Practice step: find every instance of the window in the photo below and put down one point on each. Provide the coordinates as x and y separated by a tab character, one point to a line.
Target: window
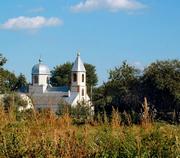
82	92
36	80
74	77
48	80
82	77
78	89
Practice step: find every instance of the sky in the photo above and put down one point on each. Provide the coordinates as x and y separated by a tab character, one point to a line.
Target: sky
105	32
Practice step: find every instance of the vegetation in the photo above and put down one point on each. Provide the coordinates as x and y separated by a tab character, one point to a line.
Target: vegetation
13	102
80	114
130	113
161	84
33	134
9	81
127	87
2	60
61	75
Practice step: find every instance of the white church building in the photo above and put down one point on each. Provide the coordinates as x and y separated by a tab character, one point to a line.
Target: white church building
43	95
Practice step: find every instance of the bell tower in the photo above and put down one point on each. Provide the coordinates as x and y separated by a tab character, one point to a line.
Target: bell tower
78	78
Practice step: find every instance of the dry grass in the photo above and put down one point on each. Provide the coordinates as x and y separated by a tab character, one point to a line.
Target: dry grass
46	135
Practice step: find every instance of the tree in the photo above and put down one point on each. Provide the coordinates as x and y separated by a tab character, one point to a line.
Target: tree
101	100
122	92
91	76
123	86
21	83
61	75
161	82
11	83
2	60
8	80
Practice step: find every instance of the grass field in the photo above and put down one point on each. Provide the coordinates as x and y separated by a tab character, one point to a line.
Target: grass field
46	135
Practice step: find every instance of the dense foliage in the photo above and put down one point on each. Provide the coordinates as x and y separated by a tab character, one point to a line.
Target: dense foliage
161	84
9	81
61	75
127	86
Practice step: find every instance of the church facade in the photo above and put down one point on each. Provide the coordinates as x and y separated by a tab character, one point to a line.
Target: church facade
43	95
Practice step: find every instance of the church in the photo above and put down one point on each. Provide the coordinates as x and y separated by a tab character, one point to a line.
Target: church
43	95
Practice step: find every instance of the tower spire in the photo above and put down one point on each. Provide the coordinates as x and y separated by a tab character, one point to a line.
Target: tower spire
78	65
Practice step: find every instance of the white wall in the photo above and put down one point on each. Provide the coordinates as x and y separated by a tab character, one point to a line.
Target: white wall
43	79
79	79
79	86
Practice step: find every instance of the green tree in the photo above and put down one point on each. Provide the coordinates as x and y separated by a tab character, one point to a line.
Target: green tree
122	91
21	83
91	76
8	80
123	87
61	75
161	82
102	100
2	60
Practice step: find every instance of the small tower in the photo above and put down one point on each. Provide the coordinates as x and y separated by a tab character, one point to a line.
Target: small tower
40	74
78	78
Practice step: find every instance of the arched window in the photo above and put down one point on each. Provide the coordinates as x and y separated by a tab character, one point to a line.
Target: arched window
83	92
82	77
36	79
74	77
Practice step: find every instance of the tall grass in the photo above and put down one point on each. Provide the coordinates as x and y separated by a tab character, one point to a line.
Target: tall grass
32	134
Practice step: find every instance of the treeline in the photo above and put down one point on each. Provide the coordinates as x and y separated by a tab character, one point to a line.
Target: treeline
124	91
127	86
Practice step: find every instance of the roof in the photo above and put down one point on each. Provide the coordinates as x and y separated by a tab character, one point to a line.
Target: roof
58	89
78	65
40	69
46	100
71	99
55	99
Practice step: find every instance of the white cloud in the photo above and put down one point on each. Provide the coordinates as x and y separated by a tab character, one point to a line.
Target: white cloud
37	10
30	23
112	5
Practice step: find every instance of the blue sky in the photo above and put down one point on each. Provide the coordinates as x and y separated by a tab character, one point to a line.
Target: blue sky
106	32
